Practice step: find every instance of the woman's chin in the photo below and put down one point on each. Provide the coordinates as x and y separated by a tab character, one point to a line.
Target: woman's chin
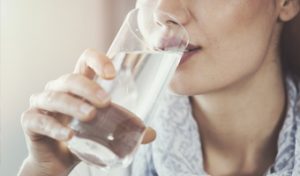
179	88
190	88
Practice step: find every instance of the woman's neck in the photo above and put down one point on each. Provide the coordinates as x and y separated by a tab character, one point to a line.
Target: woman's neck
240	124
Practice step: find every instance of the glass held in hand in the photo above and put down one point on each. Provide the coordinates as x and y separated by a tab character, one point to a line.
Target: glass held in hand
145	54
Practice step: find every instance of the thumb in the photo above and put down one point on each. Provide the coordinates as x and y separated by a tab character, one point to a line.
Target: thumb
149	136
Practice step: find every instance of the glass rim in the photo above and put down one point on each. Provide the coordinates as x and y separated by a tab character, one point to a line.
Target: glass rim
182	28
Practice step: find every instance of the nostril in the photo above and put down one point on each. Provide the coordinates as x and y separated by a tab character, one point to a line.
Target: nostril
172	22
164	19
167	23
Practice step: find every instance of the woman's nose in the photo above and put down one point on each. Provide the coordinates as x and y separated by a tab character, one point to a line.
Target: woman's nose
177	11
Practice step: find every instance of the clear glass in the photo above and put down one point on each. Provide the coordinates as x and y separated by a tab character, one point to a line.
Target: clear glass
145	54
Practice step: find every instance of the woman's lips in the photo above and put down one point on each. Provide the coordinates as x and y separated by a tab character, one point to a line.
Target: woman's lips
190	51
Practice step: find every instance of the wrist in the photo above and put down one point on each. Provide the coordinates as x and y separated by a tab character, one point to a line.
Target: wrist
32	168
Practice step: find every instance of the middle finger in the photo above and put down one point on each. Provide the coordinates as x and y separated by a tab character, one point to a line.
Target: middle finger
63	103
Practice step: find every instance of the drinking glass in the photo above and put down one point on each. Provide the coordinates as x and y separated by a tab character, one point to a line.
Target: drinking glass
145	54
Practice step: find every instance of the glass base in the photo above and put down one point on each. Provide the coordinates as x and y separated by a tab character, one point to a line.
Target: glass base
97	155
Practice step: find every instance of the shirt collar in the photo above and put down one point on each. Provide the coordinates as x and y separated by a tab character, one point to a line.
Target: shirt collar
177	149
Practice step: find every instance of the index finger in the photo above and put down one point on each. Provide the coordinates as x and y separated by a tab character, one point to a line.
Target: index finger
93	63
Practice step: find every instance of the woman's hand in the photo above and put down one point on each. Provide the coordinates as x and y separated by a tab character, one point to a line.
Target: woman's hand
74	95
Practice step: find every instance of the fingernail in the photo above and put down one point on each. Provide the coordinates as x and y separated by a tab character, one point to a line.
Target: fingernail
86	109
103	95
109	71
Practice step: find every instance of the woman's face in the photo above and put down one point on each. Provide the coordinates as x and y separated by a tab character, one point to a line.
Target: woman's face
235	38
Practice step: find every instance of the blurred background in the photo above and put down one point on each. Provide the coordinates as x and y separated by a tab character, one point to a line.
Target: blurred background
41	40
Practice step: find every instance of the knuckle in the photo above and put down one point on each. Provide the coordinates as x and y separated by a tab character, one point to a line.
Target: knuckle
103	60
75	81
48	127
24	117
72	101
60	100
27	118
49	85
67	78
39	122
91	87
50	96
75	107
63	100
32	99
62	97
87	54
93	56
88	51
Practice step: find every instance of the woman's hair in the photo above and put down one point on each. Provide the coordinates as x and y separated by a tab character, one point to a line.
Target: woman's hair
290	47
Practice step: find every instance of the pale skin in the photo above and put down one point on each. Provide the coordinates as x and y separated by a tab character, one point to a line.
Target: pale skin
46	133
235	85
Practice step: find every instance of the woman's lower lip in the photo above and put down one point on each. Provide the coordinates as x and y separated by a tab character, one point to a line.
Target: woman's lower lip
187	55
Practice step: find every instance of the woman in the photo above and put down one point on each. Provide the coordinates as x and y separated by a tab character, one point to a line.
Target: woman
239	111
